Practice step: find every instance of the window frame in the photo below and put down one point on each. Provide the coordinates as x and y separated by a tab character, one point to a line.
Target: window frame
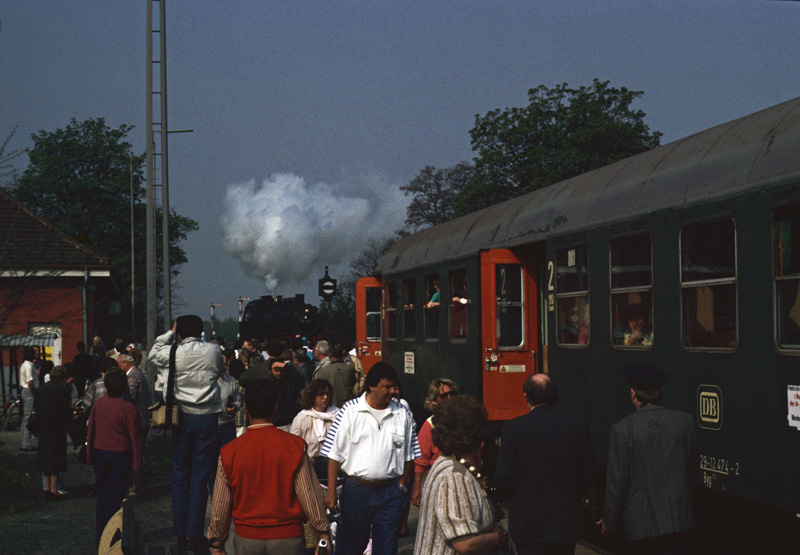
630	289
410	312
437	310
583	293
709	283
776	326
522	306
390	311
453	275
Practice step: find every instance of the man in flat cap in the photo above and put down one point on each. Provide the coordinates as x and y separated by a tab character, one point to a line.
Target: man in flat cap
650	456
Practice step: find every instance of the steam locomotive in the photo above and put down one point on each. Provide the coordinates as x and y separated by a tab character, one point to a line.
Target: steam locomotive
276	317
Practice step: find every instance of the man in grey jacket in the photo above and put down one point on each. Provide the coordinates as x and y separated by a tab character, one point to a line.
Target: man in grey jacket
198	365
139	392
650	455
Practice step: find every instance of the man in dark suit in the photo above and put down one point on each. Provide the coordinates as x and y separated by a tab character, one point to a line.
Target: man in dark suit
545	467
650	454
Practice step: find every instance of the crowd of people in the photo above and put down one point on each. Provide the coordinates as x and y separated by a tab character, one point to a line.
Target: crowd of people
280	435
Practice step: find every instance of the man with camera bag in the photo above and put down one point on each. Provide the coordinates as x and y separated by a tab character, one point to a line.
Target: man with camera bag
194	440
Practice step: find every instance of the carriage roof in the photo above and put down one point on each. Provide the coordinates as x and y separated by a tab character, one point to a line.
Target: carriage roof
750	153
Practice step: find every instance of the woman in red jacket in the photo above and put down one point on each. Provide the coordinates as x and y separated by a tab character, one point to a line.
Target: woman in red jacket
113	444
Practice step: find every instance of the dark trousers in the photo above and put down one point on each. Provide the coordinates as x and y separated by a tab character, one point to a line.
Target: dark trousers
364	508
194	463
669	544
111	469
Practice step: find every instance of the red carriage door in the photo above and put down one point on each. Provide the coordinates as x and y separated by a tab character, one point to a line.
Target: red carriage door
509	335
368	321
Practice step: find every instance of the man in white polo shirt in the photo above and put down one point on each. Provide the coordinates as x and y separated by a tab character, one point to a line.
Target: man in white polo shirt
28	383
373	441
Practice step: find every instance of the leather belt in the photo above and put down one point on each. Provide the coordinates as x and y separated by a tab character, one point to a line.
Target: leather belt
374	483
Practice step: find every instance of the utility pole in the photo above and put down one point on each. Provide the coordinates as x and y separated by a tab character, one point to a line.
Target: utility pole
213	306
159	94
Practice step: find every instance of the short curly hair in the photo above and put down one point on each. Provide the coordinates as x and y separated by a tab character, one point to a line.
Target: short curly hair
460	425
314	388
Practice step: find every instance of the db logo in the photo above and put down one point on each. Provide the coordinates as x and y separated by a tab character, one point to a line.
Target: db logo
709	407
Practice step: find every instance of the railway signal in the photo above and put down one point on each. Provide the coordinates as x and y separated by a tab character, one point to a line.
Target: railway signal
327	287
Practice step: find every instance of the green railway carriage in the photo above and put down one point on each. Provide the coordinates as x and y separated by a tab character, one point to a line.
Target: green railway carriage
686	256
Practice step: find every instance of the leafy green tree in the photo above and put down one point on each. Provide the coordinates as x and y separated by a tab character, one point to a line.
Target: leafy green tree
563	132
433	194
79	179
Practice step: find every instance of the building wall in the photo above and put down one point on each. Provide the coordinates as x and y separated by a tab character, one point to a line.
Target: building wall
51	301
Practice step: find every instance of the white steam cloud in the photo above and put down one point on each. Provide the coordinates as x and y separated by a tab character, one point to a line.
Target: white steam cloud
284	231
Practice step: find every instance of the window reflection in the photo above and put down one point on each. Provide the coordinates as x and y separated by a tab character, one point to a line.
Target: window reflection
409	309
458	304
631	291
391	310
572	296
431	311
708	276
509	299
786	238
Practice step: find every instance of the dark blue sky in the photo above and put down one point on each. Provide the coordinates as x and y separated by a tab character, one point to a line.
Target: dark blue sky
319	111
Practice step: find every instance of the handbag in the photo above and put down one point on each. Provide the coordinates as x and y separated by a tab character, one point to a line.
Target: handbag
165	415
83	455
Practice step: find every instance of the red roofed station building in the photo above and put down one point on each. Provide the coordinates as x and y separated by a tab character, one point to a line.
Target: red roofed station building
51	286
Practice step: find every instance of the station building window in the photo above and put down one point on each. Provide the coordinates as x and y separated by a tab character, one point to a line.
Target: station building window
708	285
509	295
458	301
786	257
572	296
431	309
391	310
632	291
409	308
373	306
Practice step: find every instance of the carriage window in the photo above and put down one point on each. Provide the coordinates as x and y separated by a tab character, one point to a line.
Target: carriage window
708	285
391	310
509	298
432	307
373	313
786	238
632	291
409	309
572	296
457	304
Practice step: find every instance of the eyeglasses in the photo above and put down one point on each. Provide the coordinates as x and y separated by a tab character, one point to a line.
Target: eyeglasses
448	394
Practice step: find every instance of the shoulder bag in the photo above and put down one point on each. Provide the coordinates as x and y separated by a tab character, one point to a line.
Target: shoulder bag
165	415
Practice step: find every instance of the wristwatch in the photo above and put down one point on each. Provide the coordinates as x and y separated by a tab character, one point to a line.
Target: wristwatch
403	487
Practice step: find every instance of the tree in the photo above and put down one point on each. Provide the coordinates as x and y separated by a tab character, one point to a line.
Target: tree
79	179
7	171
433	194
563	132
342	315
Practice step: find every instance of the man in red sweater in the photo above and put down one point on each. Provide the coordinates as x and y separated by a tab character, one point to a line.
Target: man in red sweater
265	482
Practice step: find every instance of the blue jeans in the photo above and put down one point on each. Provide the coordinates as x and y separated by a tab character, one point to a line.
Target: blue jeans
27	410
226	433
364	508
111	469
194	463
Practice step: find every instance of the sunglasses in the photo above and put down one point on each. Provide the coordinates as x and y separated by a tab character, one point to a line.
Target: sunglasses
448	394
